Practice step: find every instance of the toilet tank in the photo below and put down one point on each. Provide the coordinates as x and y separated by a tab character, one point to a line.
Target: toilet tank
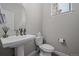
39	40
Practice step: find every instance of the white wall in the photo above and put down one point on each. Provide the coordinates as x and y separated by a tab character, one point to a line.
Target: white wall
63	25
33	17
33	23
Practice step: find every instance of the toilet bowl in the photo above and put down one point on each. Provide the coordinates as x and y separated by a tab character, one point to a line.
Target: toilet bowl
45	49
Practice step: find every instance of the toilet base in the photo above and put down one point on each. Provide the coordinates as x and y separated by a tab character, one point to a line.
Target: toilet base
45	53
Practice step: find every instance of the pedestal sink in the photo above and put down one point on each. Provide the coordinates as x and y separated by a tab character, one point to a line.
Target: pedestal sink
17	42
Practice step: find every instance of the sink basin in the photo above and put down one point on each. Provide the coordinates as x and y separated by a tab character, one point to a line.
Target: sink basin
14	41
17	42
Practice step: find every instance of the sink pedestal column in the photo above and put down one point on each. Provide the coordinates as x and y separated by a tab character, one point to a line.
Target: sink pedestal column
19	51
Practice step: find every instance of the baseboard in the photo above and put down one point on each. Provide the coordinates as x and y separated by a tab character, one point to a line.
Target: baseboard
61	53
33	53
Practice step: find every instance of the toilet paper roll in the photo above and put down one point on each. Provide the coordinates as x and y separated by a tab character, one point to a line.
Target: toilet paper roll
61	40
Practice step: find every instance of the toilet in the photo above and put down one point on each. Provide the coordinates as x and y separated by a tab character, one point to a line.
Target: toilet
45	49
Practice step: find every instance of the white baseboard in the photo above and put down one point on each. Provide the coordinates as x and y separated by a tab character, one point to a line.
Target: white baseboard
60	53
33	53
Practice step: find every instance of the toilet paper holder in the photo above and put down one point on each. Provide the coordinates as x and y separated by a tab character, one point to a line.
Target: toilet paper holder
61	40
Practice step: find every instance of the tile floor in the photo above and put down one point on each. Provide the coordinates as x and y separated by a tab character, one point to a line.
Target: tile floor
56	53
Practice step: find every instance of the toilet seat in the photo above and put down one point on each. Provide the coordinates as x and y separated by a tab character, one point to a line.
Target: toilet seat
47	48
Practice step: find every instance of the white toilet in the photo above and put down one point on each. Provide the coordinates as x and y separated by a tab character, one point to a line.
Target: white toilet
45	49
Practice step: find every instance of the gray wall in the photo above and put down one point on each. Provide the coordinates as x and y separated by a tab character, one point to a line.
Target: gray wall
63	25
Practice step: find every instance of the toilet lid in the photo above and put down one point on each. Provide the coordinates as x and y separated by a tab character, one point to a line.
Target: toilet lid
47	48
